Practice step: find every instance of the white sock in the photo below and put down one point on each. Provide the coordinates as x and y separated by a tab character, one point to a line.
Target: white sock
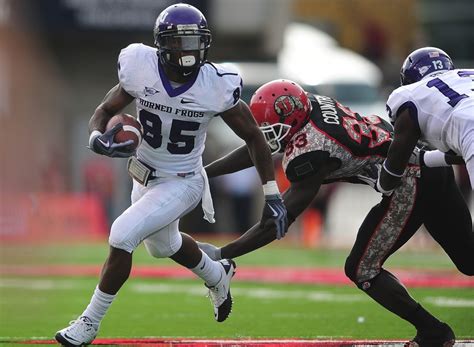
98	306
209	270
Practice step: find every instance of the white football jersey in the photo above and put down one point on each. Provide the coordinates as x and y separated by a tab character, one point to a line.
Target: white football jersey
441	103
174	118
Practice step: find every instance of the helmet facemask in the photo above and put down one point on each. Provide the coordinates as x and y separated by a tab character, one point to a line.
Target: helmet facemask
281	108
182	51
274	135
182	37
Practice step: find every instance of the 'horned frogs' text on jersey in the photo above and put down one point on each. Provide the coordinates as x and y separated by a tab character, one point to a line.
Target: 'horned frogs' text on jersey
443	105
174	118
335	132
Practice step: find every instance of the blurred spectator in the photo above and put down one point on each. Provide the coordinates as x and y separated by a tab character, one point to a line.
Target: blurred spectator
321	202
375	40
99	178
313	218
240	187
53	176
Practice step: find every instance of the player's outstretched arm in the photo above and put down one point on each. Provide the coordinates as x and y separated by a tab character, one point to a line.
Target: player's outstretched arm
437	158
236	160
297	198
406	135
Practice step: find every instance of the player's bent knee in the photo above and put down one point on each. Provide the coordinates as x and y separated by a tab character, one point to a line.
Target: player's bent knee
164	247
121	240
160	251
350	269
360	276
466	269
121	243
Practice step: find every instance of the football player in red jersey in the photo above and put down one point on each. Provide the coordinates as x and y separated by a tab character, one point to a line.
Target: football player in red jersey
323	141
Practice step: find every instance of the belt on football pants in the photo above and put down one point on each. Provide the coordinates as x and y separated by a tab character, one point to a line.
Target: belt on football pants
144	173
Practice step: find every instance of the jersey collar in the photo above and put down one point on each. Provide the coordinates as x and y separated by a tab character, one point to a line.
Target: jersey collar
169	88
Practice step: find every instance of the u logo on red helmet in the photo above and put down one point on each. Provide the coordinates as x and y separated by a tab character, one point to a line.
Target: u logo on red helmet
285	105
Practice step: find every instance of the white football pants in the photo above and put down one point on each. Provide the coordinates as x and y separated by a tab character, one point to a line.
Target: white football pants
154	215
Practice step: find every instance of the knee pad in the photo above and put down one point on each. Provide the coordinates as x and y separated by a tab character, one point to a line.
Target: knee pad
121	238
361	277
164	243
466	269
350	269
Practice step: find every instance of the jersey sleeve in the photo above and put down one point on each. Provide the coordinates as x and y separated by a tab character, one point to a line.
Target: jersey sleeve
399	101
229	86
129	70
395	100
306	165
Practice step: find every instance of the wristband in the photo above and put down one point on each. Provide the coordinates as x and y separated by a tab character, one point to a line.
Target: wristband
271	188
421	158
382	190
435	159
390	172
94	134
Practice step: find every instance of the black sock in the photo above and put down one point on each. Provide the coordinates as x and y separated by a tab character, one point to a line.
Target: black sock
422	319
387	290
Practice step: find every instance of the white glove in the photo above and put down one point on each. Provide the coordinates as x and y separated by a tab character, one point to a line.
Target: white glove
370	174
212	251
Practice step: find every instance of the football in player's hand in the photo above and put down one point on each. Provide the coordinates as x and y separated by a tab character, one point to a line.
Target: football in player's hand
132	129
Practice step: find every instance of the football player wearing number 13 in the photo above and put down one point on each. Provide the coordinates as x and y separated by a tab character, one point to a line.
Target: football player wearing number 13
435	104
177	93
322	141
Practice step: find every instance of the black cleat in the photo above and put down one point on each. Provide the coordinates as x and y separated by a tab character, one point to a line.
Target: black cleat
220	293
441	336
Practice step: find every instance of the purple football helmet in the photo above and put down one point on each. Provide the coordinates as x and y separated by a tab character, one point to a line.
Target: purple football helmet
422	62
182	38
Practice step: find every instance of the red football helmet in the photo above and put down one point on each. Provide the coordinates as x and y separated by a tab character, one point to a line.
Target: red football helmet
281	108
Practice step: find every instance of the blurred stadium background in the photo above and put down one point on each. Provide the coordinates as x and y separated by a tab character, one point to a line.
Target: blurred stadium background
58	59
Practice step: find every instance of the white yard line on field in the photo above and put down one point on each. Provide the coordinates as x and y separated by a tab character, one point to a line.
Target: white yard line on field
200	290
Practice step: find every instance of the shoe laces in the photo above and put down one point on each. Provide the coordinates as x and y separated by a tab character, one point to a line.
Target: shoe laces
81	328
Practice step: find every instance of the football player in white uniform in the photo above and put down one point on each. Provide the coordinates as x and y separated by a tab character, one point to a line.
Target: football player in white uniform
177	93
435	104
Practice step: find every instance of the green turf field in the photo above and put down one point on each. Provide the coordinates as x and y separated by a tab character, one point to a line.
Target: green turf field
37	307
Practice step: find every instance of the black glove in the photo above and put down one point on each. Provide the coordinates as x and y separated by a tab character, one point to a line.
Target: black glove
104	144
275	209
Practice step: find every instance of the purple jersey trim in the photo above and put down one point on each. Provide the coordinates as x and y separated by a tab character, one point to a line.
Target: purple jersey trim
167	84
412	111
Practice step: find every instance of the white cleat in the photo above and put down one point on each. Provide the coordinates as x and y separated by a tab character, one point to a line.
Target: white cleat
80	332
220	293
